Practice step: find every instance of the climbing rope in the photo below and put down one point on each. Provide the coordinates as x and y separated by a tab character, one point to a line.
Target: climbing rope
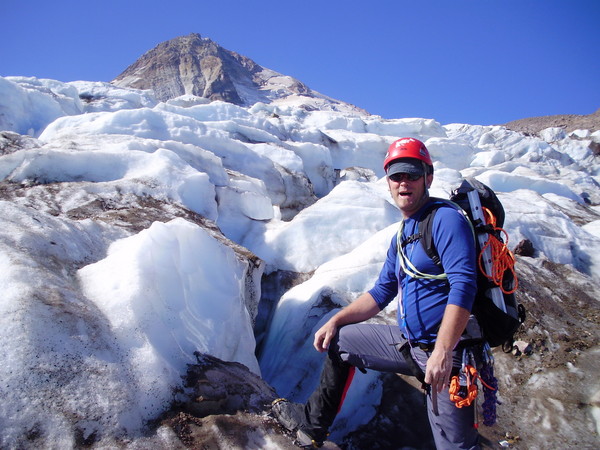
463	388
490	389
490	386
503	259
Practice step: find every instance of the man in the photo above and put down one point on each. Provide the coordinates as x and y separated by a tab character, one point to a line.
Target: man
433	314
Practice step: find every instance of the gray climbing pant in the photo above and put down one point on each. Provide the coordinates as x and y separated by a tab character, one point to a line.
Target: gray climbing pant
376	347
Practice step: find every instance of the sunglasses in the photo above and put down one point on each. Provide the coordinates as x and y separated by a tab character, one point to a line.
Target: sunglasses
398	177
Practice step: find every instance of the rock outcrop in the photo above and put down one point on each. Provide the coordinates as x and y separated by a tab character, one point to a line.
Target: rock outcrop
193	65
190	65
568	122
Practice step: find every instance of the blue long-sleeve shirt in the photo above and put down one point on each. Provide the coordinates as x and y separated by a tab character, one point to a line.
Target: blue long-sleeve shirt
423	301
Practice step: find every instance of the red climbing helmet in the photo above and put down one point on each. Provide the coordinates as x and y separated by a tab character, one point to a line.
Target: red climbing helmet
407	148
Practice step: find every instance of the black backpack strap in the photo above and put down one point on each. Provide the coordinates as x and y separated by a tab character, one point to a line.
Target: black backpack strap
426	230
410	239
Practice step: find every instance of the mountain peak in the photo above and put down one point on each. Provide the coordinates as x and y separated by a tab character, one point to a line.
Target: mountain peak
198	66
184	65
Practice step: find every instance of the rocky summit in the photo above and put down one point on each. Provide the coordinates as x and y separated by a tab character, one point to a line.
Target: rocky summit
193	65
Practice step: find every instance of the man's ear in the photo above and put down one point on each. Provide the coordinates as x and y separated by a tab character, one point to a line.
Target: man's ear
429	180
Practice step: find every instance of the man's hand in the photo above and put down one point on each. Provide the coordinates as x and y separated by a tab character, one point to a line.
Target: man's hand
363	308
324	336
439	366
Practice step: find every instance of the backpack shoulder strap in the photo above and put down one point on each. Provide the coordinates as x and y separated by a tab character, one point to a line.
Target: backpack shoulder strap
426	228
426	232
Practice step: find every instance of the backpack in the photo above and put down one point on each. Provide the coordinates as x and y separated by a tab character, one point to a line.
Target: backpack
495	307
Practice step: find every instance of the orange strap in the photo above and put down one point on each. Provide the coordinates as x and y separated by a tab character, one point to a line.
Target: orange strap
502	258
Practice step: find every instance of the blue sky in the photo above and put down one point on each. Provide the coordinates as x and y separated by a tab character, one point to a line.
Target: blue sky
469	61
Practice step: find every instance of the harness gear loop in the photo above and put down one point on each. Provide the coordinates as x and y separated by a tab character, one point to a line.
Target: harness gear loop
503	259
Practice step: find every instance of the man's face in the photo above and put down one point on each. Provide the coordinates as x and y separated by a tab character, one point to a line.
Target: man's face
409	195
